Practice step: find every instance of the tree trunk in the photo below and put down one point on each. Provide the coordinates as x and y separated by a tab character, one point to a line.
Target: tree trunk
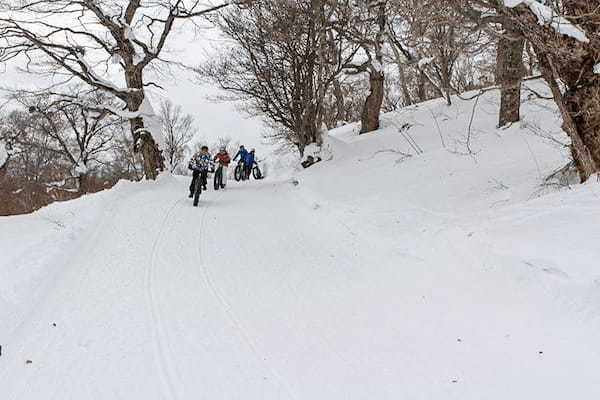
372	107
154	162
421	86
446	83
572	63
403	86
339	102
84	182
311	133
580	111
509	73
145	144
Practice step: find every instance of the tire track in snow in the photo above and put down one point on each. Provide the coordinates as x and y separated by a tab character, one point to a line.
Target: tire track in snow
228	309
322	340
159	333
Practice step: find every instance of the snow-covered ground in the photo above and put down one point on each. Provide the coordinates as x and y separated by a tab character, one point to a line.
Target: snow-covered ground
386	271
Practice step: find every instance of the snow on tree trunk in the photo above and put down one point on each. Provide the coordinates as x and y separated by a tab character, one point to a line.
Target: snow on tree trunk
509	73
145	129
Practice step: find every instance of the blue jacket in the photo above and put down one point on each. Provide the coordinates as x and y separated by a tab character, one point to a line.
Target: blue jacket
249	160
242	154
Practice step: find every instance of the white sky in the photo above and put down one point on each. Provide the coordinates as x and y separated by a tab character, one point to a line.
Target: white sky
212	119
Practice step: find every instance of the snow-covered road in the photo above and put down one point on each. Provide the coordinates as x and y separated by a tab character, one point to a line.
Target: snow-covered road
259	294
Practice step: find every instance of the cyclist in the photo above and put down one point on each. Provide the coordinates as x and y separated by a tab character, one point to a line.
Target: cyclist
249	162
200	163
223	158
242	153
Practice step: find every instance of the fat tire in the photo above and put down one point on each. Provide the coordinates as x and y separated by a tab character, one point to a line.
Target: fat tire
218	178
197	191
256	173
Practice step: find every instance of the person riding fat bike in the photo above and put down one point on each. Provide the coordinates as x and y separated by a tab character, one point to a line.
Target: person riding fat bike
223	158
242	153
200	164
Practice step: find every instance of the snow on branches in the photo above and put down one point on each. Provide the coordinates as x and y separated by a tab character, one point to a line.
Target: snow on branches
547	16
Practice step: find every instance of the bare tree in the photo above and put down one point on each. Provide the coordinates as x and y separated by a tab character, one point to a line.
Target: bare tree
178	131
435	40
35	174
82	135
80	38
282	61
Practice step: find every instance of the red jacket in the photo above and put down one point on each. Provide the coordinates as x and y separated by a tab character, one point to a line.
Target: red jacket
223	158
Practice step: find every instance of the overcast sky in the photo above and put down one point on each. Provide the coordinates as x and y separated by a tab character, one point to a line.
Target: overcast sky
213	119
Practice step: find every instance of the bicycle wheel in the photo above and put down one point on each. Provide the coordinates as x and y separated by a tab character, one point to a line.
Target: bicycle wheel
218	178
197	191
237	173
256	173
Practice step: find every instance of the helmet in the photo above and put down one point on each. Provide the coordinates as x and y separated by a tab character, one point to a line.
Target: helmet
241	147
222	148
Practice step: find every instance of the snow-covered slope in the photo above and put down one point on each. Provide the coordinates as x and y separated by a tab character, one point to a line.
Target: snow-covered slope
386	271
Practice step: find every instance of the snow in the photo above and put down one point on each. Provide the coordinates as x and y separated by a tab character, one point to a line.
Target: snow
97	78
597	69
546	15
3	154
81	169
425	61
152	122
378	273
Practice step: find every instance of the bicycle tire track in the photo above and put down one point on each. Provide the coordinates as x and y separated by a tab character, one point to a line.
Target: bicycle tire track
165	366
228	309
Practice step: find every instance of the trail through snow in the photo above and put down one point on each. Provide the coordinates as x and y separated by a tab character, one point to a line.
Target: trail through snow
167	301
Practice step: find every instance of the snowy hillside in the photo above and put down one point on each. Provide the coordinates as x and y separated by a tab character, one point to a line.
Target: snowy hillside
402	266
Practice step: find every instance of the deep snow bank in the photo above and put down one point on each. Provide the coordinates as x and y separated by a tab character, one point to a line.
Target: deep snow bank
433	165
482	245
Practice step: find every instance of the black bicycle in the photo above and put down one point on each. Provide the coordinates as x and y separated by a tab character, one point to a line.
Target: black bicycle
198	189
240	173
201	181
